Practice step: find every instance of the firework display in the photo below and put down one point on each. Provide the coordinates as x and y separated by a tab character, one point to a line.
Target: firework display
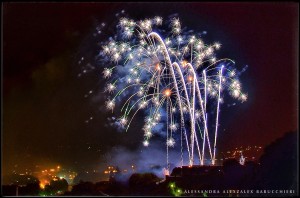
170	74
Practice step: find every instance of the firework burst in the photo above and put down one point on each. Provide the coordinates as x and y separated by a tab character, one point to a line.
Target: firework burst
172	74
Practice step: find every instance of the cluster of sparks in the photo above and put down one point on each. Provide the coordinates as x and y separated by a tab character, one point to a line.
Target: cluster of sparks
178	74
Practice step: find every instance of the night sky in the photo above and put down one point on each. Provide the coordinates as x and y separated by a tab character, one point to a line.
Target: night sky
44	108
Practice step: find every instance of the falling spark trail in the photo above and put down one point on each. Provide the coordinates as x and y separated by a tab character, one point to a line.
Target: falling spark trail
217	119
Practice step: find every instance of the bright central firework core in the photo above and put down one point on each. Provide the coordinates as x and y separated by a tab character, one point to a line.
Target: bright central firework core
167	92
184	63
157	67
150	65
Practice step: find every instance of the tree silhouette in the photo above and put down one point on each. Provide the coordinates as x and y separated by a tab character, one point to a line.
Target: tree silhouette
143	183
56	186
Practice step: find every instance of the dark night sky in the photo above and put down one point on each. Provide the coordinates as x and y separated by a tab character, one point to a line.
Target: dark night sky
43	105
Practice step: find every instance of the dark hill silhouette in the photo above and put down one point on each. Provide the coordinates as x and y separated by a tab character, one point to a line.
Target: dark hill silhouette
278	164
